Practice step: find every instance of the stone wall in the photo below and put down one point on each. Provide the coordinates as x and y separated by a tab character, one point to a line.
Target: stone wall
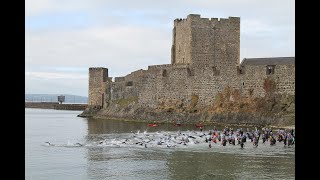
177	84
254	76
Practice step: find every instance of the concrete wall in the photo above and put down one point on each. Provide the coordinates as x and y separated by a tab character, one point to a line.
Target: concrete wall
75	107
55	105
40	105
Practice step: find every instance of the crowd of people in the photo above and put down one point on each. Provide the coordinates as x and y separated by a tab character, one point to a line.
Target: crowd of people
228	135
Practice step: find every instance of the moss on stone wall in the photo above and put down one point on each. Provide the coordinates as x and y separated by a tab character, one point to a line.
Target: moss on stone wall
194	101
272	105
126	102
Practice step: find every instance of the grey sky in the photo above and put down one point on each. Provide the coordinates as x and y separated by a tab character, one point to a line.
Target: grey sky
65	38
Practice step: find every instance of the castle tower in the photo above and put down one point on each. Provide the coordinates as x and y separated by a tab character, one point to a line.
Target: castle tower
213	42
97	80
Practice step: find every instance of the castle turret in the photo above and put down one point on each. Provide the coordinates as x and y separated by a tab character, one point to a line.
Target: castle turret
98	77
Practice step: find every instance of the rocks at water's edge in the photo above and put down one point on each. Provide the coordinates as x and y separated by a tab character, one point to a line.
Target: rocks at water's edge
278	110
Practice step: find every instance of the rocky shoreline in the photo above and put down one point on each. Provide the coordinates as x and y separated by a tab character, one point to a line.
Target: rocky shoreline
275	110
139	114
206	123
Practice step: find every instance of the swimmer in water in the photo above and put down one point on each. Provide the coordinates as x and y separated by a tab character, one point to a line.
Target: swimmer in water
49	144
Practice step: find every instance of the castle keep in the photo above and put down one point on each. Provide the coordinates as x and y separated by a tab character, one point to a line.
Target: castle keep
205	59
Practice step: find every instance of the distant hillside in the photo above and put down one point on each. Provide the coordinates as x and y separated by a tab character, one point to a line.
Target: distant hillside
54	98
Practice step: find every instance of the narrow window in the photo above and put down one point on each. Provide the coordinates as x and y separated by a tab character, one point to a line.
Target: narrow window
129	83
215	72
190	73
164	73
270	70
240	70
102	100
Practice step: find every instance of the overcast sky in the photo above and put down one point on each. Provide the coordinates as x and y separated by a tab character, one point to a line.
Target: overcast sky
65	37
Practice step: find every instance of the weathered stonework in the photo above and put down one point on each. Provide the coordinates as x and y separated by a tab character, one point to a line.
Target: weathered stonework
98	80
205	59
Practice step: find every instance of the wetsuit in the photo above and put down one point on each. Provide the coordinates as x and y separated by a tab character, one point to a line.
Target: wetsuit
285	139
242	142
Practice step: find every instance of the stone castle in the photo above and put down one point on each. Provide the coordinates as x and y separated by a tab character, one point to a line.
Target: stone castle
205	59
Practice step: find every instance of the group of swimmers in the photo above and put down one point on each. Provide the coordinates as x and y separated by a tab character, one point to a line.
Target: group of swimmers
228	135
186	138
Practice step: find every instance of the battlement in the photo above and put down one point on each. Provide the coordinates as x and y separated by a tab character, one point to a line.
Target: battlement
96	68
189	17
137	73
196	19
154	67
165	66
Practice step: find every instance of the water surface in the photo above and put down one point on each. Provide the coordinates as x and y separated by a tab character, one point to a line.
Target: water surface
98	161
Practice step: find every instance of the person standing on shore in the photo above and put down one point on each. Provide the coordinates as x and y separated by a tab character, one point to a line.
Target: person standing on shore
263	138
242	142
285	138
272	140
255	141
241	132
